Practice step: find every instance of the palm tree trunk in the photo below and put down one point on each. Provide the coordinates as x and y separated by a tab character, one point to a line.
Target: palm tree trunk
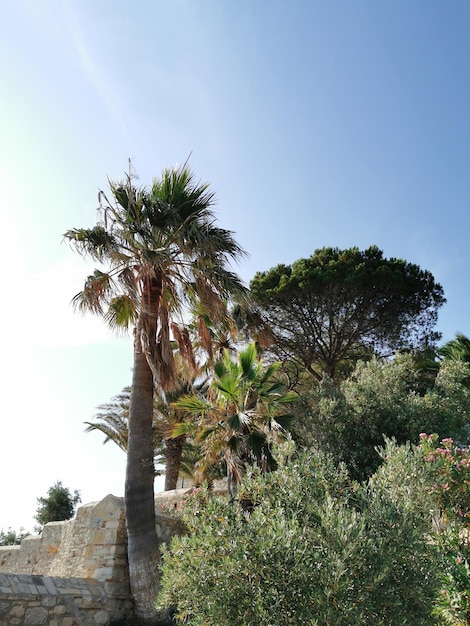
174	451
143	543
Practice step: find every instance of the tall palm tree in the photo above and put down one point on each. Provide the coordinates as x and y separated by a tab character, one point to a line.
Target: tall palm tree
240	417
160	250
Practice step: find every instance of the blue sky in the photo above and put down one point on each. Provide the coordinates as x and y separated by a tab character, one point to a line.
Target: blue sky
317	123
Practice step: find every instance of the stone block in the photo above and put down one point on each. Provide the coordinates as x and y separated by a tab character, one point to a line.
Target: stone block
101	617
104	573
17	611
50	585
36	616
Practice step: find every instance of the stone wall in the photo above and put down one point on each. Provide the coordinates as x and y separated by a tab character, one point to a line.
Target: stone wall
27	600
92	545
76	571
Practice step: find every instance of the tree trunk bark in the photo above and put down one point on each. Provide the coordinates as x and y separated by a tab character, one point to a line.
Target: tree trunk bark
143	543
174	451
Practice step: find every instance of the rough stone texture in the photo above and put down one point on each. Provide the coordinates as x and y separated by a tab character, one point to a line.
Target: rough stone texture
76	572
35	600
92	545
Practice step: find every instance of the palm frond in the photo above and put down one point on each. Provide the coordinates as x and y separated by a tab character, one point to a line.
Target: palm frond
96	293
94	242
284	421
183	428
239	421
247	360
194	404
257	443
121	313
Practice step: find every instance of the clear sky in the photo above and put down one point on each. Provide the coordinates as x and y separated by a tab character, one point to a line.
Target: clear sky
317	123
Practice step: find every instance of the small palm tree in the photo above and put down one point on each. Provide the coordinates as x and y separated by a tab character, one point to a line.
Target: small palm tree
112	421
159	251
174	451
241	415
457	349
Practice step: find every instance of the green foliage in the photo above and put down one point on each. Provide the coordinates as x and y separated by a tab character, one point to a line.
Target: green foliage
457	349
449	466
161	252
448	469
244	410
59	504
340	305
382	398
113	422
314	549
12	537
453	600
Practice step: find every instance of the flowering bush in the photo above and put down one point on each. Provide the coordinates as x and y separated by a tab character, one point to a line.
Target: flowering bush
449	467
453	600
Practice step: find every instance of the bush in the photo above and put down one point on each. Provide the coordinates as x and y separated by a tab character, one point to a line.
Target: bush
314	549
382	398
59	505
12	537
448	467
453	599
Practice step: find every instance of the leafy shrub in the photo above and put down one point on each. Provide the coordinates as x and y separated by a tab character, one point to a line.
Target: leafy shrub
448	467
448	464
453	599
382	398
311	547
59	505
12	537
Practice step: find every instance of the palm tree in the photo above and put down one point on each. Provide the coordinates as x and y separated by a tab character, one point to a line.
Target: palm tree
112	420
214	336
457	349
241	415
160	250
174	450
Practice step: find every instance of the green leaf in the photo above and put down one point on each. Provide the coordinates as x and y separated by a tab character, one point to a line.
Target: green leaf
247	359
121	312
238	421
